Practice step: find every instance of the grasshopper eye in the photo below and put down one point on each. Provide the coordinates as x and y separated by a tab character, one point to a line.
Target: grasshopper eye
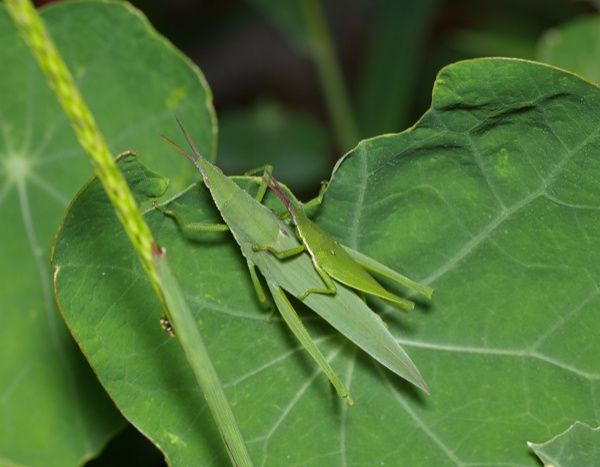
166	325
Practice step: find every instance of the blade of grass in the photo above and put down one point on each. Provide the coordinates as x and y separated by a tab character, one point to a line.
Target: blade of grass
387	87
330	75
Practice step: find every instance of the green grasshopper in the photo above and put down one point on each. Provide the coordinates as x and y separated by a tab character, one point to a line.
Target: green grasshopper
260	234
332	260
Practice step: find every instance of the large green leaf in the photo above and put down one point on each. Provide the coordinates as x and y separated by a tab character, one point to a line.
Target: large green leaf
53	410
578	445
492	198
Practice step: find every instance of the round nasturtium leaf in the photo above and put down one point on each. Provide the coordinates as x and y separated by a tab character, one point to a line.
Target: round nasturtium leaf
54	412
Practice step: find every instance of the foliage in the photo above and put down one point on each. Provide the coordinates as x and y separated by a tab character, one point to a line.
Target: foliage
491	198
578	445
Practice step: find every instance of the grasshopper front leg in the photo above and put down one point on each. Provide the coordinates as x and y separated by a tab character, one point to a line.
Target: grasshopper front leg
193	226
262	186
315	201
262	298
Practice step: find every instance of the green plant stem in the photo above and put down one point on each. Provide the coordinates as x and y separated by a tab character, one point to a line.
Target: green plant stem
61	81
330	75
197	355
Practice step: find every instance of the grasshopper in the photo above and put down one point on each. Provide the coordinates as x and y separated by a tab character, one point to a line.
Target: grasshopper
334	261
261	234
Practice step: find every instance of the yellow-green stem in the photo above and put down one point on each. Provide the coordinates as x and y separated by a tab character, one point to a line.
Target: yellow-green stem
61	81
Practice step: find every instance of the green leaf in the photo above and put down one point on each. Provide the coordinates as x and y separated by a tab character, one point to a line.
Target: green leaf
578	445
491	198
134	81
574	47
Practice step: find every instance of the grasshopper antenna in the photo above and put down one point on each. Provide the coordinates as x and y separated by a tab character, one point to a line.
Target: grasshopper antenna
276	188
